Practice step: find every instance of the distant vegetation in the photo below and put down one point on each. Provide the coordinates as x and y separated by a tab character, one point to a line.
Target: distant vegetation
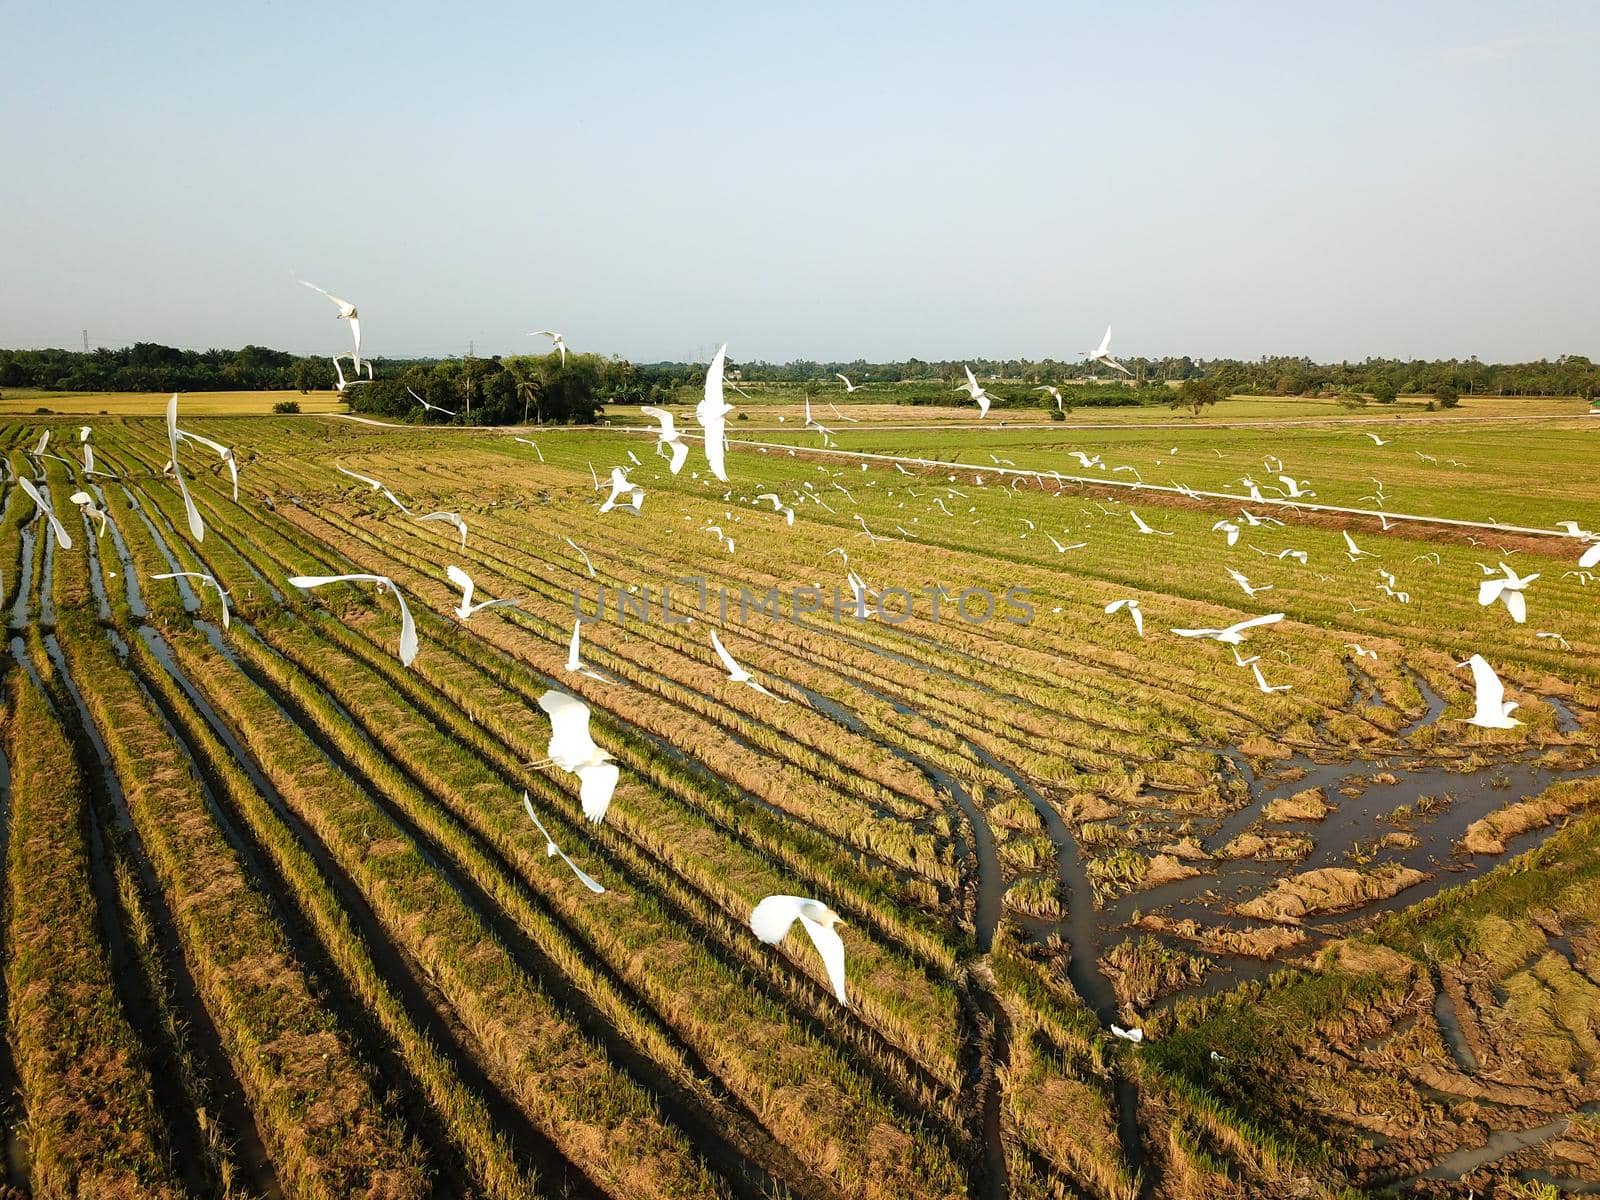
541	388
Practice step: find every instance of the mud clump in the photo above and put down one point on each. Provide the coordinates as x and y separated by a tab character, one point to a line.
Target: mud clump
1309	805
1328	890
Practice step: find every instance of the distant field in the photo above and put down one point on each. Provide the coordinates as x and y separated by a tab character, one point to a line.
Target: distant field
26	401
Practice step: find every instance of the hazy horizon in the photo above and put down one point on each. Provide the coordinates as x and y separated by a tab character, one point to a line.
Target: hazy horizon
829	184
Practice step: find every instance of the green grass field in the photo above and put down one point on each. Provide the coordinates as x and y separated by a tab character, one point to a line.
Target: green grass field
1032	826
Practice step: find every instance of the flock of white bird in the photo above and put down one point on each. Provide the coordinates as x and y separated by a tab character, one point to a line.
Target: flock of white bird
572	748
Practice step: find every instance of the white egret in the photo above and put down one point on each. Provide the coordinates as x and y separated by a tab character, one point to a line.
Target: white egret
340	382
777	505
772	919
530	442
848	386
1055	394
1493	710
197	527
1128	1035
1143	528
1086	461
1250	589
736	673
1561	641
63	538
1376	440
466	608
712	413
557	342
1233	634
430	407
347	312
1361	651
551	850
1508	590
1261	682
574	663
1354	551
572	749
408	628
203	578
1102	353
622	486
373	485
449	518
89	508
1060	549
582	555
1229	528
976	393
668	436
1295	488
1134	611
223	452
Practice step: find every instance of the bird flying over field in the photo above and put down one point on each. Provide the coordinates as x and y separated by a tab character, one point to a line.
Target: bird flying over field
1509	590
1250	589
1561	641
771	920
1233	634
223	452
197	528
582	555
1128	1035
1134	611
63	538
1376	440
736	673
1266	688
1144	528
1229	528
1493	710
848	386
573	749
450	518
574	663
373	485
712	413
1055	394
1102	354
89	508
1361	651
777	505
408	628
203	578
975	393
431	407
347	312
668	438
551	850
557	342
622	486
466	608
1353	552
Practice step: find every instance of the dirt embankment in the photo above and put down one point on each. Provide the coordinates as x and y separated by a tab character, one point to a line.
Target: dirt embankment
1327	890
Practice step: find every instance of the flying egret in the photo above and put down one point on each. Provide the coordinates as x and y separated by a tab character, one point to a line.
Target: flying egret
1355	552
557	342
197	527
449	518
976	393
430	407
1128	1035
373	485
1261	682
842	417
408	628
1295	488
1233	634
668	436
1060	549
582	555
736	673
574	663
772	919
1085	461
1134	611
1556	636
848	386
63	538
622	486
572	749
777	505
1229	528
1102	353
551	850
1240	660
89	508
1376	440
1055	394
223	452
466	608
530	442
347	312
1508	590
1361	651
204	578
1249	588
1143	528
340	382
1493	710
712	414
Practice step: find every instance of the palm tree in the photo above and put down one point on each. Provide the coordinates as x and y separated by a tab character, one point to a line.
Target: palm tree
528	390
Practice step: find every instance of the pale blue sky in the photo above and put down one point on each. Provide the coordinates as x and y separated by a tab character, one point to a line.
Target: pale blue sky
817	181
